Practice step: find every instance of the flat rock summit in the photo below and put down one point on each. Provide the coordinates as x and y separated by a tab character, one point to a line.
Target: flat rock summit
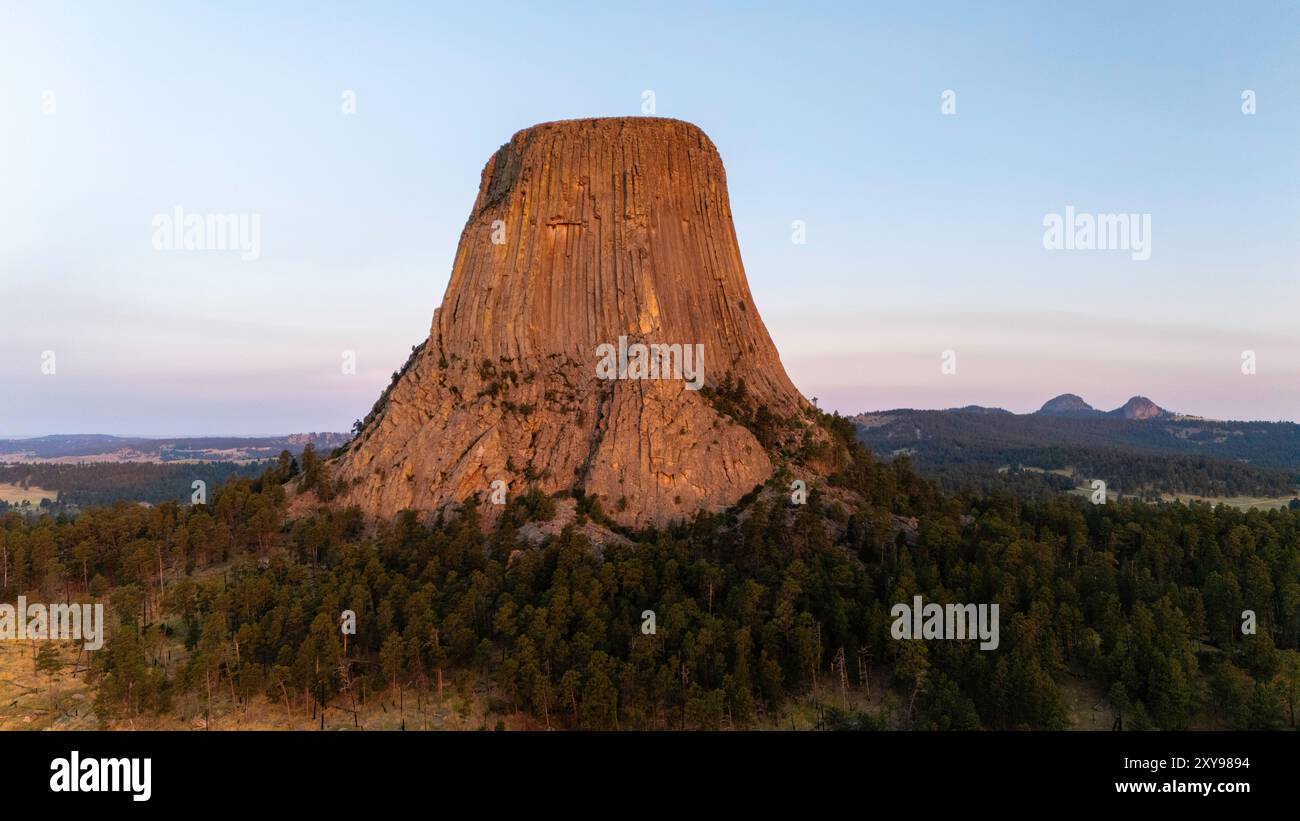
588	240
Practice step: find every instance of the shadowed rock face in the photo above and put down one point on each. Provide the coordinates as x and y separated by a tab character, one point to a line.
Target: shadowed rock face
583	231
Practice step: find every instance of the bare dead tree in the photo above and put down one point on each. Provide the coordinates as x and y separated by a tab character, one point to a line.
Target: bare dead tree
864	670
838	666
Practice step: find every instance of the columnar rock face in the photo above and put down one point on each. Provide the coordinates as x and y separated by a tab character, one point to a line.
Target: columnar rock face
584	231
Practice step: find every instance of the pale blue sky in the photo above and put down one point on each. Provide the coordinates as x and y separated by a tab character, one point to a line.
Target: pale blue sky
924	230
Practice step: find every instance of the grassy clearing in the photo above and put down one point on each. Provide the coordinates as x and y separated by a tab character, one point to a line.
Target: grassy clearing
1239	502
1085	703
25	700
1067	472
17	494
25	704
25	694
1086	492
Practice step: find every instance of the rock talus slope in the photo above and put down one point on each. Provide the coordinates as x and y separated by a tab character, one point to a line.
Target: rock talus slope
583	231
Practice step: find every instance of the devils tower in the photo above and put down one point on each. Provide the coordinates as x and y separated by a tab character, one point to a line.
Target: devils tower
586	236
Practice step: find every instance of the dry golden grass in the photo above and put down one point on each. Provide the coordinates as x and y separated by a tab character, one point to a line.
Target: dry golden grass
25	694
25	703
1085	703
17	494
1239	502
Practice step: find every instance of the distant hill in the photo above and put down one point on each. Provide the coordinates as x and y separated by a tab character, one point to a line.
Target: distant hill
1139	407
1067	404
73	448
1138	448
979	409
1072	405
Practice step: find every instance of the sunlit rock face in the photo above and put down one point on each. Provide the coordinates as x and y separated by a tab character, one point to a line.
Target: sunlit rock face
589	242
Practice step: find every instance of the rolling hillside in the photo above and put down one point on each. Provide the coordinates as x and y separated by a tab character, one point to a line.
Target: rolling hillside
1161	453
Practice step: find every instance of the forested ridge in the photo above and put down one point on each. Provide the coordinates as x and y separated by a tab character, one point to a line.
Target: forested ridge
102	483
960	448
755	609
165	449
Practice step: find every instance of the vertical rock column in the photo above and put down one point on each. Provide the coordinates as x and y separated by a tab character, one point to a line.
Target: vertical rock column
583	231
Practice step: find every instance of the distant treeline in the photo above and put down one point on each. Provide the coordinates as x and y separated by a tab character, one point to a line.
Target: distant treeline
166	449
1125	472
1142	458
103	483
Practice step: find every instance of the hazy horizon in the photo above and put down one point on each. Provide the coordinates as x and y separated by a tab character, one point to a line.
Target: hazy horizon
1105	408
924	229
